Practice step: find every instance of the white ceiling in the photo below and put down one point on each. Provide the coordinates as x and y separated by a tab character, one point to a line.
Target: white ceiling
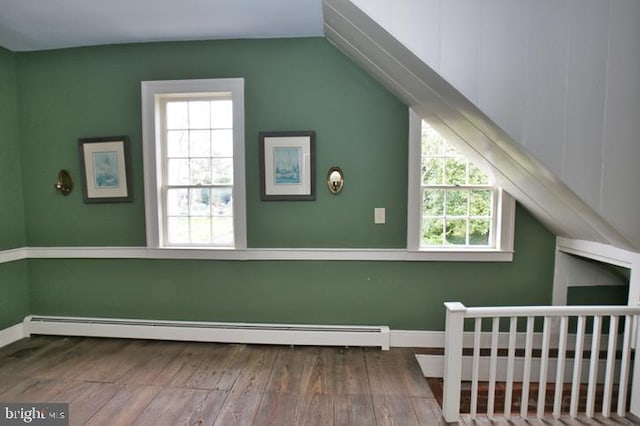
51	24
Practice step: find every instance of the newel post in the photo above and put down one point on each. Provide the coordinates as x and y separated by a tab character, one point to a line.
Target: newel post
452	377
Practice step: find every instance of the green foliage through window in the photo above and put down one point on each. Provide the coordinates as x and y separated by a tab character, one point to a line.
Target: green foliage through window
457	197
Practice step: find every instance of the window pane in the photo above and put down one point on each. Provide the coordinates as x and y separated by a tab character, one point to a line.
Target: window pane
433	231
222	143
199	202
200	171
177	143
451	151
200	230
177	202
221	202
199	115
222	171
222	230
456	231
480	203
432	171
178	172
432	143
177	115
479	230
476	176
199	143
456	171
457	202
433	202
178	230
221	115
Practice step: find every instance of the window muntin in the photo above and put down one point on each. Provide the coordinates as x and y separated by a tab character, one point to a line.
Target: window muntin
193	141
458	200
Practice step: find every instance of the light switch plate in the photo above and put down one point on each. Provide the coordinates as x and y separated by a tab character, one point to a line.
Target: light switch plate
379	215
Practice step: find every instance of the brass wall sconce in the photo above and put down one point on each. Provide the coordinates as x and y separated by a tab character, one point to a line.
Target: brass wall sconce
64	183
335	180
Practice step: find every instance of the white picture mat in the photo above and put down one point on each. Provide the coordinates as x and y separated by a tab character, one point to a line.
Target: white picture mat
272	142
89	150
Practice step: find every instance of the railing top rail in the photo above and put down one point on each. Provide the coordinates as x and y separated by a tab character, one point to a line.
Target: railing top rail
553	311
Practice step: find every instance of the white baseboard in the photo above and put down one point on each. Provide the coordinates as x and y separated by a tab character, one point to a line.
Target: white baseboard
257	333
12	334
416	339
397	338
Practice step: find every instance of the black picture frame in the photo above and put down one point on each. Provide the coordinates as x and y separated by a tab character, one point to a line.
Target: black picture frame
106	169
287	165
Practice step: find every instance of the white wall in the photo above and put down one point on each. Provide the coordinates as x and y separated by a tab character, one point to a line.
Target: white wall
562	77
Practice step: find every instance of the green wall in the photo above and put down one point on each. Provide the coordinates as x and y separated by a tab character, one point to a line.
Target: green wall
14	290
290	84
403	295
303	84
12	230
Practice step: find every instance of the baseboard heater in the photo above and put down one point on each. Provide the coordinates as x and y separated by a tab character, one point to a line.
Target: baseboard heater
222	332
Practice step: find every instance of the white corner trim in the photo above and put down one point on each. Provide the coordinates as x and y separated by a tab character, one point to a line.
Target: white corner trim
598	251
12	334
377	255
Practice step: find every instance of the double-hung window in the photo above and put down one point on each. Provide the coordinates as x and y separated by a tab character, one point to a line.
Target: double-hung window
454	206
194	163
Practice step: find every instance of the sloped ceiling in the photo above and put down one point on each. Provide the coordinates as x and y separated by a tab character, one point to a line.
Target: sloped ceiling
435	100
52	24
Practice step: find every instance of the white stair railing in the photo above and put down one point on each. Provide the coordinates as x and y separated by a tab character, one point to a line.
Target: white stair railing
558	370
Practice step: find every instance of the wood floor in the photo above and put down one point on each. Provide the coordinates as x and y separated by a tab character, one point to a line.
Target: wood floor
140	382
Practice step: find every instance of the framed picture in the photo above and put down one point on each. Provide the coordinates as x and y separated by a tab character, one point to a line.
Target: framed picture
105	164
287	166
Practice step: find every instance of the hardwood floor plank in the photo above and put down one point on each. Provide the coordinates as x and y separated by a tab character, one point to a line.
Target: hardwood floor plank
166	407
395	372
106	362
245	396
319	370
28	363
141	361
179	370
353	410
172	406
125	406
66	364
9	381
394	410
286	375
85	399
277	409
26	347
218	371
350	372
314	409
427	411
239	408
203	408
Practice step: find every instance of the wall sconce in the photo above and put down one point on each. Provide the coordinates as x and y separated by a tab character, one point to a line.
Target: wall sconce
64	183
335	179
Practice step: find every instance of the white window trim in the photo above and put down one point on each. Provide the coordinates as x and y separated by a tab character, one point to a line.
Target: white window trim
505	205
153	162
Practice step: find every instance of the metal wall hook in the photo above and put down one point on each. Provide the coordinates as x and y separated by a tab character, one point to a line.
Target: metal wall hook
64	183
